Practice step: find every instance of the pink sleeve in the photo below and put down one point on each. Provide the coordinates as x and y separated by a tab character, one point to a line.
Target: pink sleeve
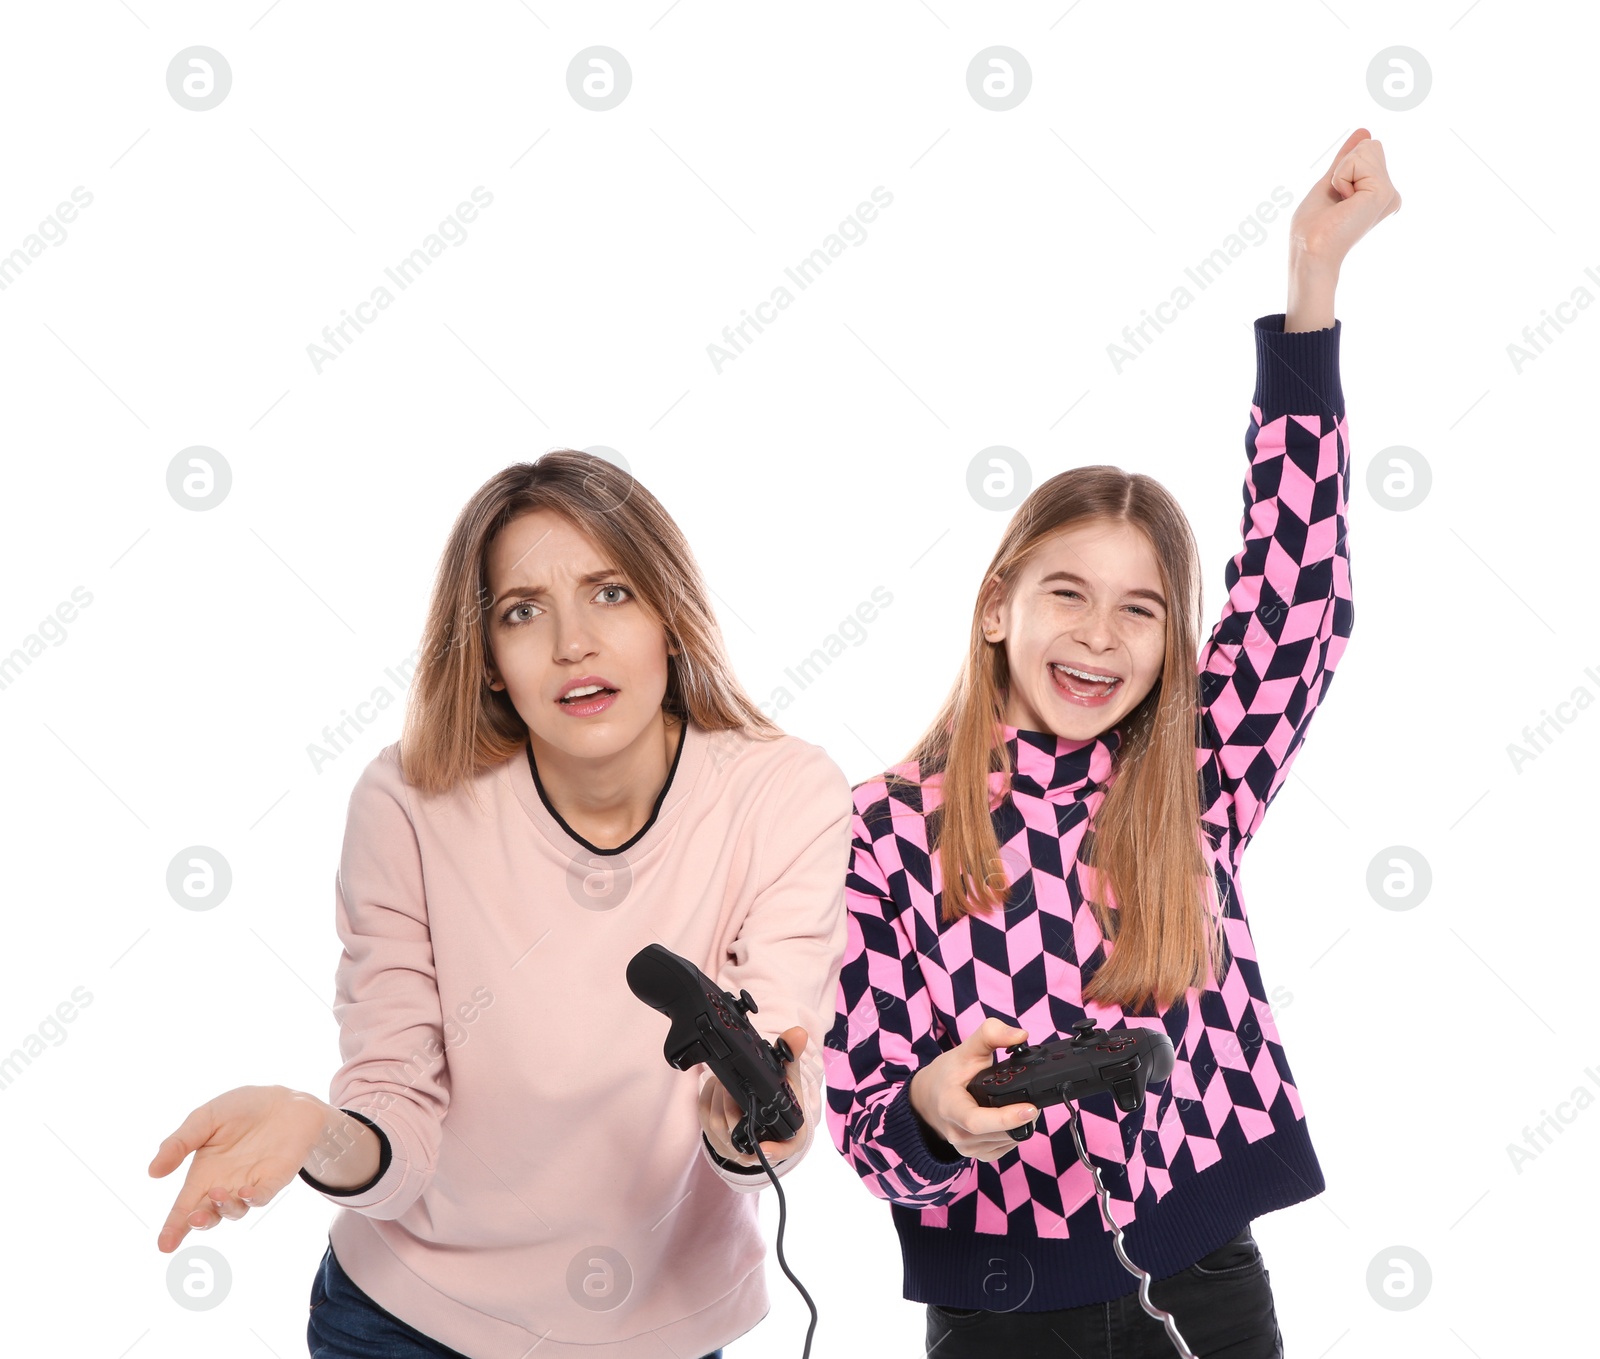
1268	663
788	949
884	1031
386	998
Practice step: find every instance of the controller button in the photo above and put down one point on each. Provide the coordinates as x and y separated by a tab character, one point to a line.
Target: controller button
713	1042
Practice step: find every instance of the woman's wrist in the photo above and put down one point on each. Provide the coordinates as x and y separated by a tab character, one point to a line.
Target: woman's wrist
347	1153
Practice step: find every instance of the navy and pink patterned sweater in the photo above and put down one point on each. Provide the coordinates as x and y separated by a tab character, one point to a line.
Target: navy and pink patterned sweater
1224	1138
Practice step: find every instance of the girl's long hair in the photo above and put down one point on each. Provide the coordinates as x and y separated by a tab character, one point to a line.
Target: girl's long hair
1143	851
455	725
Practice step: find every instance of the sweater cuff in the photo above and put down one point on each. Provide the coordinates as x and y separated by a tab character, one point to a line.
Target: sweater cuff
930	1157
385	1154
1297	372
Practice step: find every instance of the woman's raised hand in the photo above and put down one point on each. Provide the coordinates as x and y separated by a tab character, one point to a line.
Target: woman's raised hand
248	1144
939	1094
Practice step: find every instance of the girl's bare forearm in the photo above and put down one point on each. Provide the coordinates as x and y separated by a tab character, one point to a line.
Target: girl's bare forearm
1311	289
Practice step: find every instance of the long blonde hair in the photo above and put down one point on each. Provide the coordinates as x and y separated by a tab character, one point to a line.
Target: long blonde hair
455	725
1143	850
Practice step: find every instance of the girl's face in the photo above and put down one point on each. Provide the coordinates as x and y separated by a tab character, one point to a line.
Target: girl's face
564	618
1089	598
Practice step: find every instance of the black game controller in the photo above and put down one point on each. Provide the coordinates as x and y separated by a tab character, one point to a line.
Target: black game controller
709	1025
1069	1068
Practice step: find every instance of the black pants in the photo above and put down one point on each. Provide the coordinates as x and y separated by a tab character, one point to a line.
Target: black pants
1221	1305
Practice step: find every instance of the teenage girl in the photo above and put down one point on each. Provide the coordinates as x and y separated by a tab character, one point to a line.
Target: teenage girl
579	776
1064	842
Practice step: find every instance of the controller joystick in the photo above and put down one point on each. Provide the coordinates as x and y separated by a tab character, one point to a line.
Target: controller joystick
709	1025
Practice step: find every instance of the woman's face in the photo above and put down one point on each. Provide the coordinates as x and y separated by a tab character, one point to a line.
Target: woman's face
564	618
1090	598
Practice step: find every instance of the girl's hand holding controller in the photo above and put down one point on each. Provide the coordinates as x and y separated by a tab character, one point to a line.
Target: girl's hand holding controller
720	1113
941	1099
248	1144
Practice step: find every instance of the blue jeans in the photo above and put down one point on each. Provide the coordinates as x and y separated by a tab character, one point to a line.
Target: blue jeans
346	1324
1221	1305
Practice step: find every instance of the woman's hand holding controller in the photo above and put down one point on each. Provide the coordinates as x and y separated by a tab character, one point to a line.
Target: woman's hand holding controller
720	1113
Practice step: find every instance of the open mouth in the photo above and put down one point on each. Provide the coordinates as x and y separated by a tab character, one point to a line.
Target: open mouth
587	694
1084	683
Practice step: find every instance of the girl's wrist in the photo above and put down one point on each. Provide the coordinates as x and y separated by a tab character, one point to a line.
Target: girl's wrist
923	1114
1312	283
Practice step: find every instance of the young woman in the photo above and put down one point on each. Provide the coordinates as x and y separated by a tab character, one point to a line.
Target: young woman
1064	842
579	776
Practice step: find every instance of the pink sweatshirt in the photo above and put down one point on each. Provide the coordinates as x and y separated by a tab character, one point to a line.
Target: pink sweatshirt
547	1181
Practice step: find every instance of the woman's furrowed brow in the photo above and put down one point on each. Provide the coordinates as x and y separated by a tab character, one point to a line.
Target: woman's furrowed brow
591	578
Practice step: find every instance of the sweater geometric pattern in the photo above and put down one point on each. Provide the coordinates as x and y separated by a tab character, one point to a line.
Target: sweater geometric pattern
1223	1139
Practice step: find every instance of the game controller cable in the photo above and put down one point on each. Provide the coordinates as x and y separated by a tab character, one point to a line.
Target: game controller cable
1164	1317
749	1120
1062	1071
710	1025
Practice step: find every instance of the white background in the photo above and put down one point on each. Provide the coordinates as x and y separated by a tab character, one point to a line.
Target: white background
178	706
